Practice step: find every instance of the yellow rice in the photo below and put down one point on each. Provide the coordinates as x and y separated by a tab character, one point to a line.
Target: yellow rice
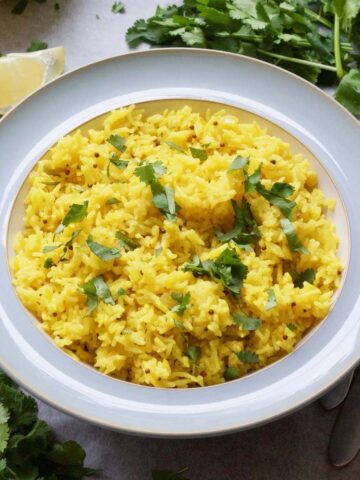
137	339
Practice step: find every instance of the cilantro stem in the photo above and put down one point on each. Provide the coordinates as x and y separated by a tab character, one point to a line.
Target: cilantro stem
300	61
337	47
318	18
11	471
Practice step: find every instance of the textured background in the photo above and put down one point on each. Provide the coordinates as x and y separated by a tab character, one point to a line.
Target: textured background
294	448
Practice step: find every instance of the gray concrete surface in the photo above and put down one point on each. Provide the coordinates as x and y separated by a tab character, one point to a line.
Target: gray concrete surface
293	448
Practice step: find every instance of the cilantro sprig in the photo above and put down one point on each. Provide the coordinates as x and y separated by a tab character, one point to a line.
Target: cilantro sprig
76	214
183	303
95	290
245	229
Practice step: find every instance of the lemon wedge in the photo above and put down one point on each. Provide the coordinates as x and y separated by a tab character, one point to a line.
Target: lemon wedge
22	73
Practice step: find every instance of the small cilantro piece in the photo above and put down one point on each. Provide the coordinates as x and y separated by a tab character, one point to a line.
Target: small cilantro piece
112	201
96	289
227	269
76	214
150	172
49	263
199	153
126	242
252	181
293	240
271	301
115	160
74	235
118	142
307	275
248	357
178	324
193	352
50	248
175	147
118	7
348	91
104	253
277	196
292	327
245	322
183	303
164	200
231	373
245	229
239	163
37	45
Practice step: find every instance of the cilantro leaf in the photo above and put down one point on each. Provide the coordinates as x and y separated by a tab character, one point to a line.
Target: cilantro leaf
121	292
150	172
112	201
293	240
175	147
252	181
37	45
193	352
348	91
199	153
4	435
183	303
245	229
307	275
76	214
96	289
50	248
49	263
126	242
277	196
292	327
239	163
115	160
231	373
118	142
271	302
118	7
163	199
245	322
104	253
248	357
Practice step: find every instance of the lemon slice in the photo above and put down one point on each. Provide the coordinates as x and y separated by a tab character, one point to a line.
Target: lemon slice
22	73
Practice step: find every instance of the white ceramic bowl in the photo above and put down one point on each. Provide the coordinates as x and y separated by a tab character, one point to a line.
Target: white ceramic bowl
292	109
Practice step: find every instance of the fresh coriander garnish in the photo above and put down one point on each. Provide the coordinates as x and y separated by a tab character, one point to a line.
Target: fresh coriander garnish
183	303
245	229
118	7
278	196
292	327
96	289
117	162
49	263
227	269
126	242
76	214
193	352
248	357
112	201
175	147
50	248
199	153
179	324
121	292
117	142
348	91
307	275
253	180
150	172
104	253
164	200
239	163
37	45
231	373
271	301
245	322
293	240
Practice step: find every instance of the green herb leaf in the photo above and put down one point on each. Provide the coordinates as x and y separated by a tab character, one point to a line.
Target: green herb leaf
252	181
74	235
307	275
104	253
118	7
76	214
245	229
112	201
231	373
193	352
96	289
37	45
246	323
115	160
117	142
183	303
293	241
248	357
292	327
348	91
126	242
150	172
121	292
175	147
50	248
277	196
199	153
164	200
179	324
271	302
49	263
239	163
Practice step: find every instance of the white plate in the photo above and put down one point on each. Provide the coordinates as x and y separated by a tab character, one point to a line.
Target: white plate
292	109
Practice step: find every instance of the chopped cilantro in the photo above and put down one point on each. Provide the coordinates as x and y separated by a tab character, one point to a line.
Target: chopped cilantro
76	214
307	275
246	323
278	196
292	327
104	253
96	289
112	201
271	301
248	357
231	373
117	142
183	303
193	352
121	292
178	324
293	240
49	263
253	180
37	45
164	200
150	172
239	163
126	242
50	248
245	229
199	153
118	7
175	147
